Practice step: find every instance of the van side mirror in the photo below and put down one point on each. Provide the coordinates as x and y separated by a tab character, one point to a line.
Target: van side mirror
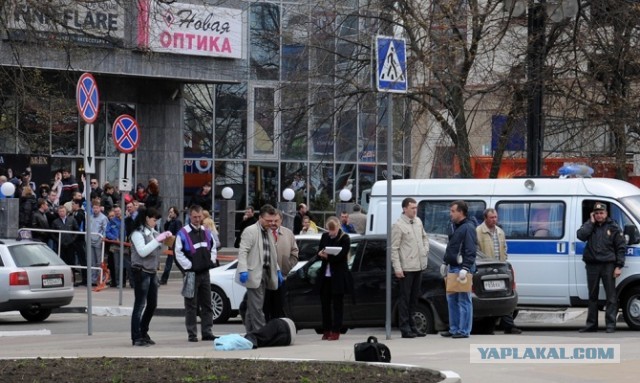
631	234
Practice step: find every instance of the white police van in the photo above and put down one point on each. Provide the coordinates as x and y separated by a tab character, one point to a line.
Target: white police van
540	218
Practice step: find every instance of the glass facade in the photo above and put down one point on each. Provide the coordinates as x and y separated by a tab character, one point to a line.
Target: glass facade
306	117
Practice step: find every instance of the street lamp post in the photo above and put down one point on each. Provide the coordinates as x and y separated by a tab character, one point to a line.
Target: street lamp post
535	86
537	13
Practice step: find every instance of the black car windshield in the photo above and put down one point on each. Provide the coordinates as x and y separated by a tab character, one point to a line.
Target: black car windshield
34	254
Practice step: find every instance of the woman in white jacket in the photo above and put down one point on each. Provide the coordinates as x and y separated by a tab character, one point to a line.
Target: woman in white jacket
145	258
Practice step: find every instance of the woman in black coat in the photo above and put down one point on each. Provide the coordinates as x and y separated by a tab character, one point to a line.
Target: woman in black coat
334	278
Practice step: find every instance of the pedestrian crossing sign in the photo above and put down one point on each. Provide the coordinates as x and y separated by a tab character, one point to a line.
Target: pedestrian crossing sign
391	65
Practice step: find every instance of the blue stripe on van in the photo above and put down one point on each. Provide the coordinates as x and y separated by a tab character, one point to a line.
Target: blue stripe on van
632	251
551	248
535	247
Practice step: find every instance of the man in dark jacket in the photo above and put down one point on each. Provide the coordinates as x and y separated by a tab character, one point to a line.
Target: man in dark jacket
40	221
604	259
67	240
195	253
461	258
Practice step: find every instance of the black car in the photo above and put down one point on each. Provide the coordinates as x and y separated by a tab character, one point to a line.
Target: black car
493	295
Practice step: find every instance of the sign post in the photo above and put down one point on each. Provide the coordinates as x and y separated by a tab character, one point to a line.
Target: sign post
88	102
391	77
126	137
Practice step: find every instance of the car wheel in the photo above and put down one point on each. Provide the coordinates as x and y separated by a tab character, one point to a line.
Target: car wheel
35	314
485	325
220	304
631	308
424	319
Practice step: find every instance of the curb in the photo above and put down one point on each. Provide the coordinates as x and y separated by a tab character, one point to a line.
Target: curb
116	311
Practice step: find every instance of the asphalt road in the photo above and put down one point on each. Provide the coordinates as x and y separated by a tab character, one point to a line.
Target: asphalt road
67	334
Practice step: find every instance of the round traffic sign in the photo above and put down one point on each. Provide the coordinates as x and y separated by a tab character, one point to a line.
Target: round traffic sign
87	98
125	133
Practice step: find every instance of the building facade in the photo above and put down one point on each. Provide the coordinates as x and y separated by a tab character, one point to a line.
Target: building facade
252	95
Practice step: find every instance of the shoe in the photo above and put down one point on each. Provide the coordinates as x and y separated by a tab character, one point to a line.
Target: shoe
408	335
611	330
459	336
334	336
163	282
446	334
418	333
325	335
140	343
147	339
512	330
209	337
193	339
588	329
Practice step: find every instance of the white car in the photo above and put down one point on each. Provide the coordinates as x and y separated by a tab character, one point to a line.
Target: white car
227	293
33	279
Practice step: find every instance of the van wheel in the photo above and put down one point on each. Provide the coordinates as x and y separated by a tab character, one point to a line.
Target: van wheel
424	319
220	304
631	308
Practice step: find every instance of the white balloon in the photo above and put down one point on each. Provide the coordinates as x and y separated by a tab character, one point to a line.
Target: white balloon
288	194
345	195
8	189
227	193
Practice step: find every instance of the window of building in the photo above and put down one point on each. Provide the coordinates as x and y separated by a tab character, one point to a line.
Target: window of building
231	121
521	220
294	133
264	34
64	129
7	124
263	133
33	126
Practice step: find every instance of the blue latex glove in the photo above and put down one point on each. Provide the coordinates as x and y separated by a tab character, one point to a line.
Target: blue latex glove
280	278
244	277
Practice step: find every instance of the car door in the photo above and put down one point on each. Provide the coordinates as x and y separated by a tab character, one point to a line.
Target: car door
369	282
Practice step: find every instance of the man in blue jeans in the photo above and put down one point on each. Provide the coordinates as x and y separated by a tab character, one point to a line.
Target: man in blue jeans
461	258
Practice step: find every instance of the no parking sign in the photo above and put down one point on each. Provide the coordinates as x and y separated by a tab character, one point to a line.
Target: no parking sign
125	133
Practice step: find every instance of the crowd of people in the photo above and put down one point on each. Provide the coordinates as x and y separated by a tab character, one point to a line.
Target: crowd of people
63	204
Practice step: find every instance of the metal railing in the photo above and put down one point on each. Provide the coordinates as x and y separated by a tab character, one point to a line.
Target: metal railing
59	242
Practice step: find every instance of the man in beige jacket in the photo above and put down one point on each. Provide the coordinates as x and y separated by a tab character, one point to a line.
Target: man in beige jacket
287	250
492	242
258	266
409	252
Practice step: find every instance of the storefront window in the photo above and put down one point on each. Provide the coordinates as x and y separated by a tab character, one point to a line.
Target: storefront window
33	126
7	125
64	129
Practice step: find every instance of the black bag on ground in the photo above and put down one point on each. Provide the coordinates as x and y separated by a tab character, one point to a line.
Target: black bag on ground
372	351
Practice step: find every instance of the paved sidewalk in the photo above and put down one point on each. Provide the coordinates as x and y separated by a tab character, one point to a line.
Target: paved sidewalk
109	302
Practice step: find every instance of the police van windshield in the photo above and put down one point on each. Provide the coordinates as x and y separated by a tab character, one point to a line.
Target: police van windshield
633	204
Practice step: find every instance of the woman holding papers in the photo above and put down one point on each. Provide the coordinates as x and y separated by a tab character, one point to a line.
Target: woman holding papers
334	277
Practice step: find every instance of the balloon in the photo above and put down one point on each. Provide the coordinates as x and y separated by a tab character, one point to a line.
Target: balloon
8	189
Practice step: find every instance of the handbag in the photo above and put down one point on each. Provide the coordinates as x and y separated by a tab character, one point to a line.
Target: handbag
189	285
371	351
453	285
